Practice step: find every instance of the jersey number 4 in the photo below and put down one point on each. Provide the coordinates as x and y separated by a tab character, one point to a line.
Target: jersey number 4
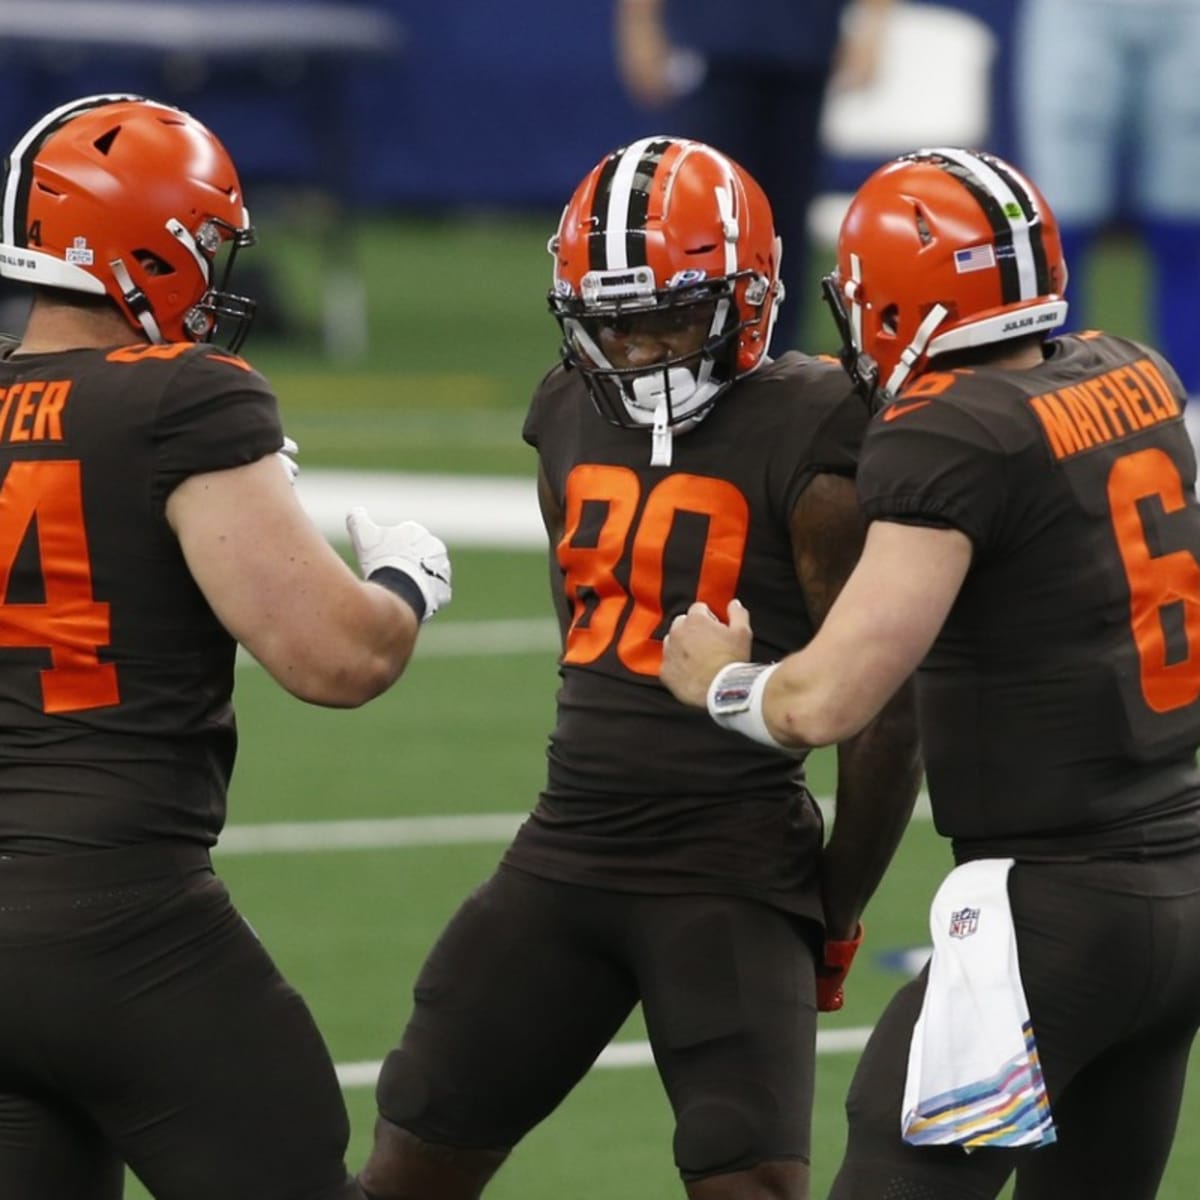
1158	583
69	621
598	599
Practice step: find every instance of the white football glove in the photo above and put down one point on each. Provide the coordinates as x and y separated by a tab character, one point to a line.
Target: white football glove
287	459
406	547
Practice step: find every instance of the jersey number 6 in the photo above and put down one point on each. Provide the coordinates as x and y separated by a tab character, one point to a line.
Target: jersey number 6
1156	581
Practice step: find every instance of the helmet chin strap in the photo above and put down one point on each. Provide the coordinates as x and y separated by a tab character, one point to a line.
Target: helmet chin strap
913	351
660	438
658	392
136	299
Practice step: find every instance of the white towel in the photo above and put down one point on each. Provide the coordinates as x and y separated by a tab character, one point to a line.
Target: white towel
974	1078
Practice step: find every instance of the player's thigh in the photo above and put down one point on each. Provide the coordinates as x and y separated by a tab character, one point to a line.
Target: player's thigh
1071	91
1113	985
877	1161
518	996
49	1149
729	997
217	1081
1127	1098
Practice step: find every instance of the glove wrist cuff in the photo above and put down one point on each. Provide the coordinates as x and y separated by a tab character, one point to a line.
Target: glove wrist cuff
402	584
841	953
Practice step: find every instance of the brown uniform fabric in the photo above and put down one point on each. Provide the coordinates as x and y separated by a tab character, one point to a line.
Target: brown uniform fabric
666	861
141	1020
1060	714
1049	731
642	793
532	979
115	716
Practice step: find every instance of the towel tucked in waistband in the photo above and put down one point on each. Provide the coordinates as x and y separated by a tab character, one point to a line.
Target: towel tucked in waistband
974	1078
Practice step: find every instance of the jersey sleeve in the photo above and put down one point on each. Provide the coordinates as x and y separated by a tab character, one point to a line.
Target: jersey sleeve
936	466
214	413
535	418
833	444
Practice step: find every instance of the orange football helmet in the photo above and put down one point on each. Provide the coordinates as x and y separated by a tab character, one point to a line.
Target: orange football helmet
129	197
657	227
942	250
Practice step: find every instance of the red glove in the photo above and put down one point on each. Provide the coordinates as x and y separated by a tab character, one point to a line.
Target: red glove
833	969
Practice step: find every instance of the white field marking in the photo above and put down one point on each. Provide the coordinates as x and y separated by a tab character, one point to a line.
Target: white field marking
619	1055
463	510
467	639
281	837
517	635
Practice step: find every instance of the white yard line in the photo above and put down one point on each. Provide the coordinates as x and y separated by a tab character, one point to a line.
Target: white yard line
463	510
281	837
620	1055
469	639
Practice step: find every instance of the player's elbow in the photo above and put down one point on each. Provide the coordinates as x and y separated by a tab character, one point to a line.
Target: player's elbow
815	719
798	728
348	678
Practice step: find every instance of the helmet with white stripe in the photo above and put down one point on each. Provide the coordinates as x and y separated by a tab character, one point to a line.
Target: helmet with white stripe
121	196
659	233
939	251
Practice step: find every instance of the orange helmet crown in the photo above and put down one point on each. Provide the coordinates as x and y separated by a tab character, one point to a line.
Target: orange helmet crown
942	250
127	197
658	224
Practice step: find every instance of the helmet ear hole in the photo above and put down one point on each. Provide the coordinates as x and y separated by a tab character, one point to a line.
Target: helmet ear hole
152	263
889	320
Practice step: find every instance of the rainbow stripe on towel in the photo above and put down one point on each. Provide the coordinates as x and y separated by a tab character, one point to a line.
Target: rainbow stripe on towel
1010	1108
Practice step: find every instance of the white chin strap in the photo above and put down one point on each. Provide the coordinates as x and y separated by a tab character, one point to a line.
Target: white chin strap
649	405
913	351
136	299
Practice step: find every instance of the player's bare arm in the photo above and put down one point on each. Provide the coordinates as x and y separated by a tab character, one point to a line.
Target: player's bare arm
553	519
283	592
876	634
878	769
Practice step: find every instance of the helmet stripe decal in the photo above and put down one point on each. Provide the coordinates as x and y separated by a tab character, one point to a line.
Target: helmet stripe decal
1037	237
19	167
1007	207
621	204
597	260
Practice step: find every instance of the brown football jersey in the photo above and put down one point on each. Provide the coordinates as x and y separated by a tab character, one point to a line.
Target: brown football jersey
1060	705
644	793
115	676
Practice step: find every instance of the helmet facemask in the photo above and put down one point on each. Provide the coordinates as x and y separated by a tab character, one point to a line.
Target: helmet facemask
221	316
694	323
668	246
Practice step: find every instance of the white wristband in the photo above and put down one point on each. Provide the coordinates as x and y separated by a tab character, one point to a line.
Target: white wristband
735	699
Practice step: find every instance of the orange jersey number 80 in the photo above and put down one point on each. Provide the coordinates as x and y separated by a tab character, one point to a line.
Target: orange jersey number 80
598	600
69	621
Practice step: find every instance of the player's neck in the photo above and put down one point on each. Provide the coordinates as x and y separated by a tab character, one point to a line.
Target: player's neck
53	328
1024	359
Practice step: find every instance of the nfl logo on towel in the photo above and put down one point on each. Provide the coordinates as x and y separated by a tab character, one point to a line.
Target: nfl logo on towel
964	922
977	258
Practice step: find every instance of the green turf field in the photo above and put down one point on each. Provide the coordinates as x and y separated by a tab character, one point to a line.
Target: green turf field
459	335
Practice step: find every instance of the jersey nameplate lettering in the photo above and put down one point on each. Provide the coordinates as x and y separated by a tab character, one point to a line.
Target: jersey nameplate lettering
1103	409
31	411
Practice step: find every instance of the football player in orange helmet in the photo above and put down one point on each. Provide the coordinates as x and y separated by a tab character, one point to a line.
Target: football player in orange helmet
942	251
677	461
667	240
1036	540
122	197
146	530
